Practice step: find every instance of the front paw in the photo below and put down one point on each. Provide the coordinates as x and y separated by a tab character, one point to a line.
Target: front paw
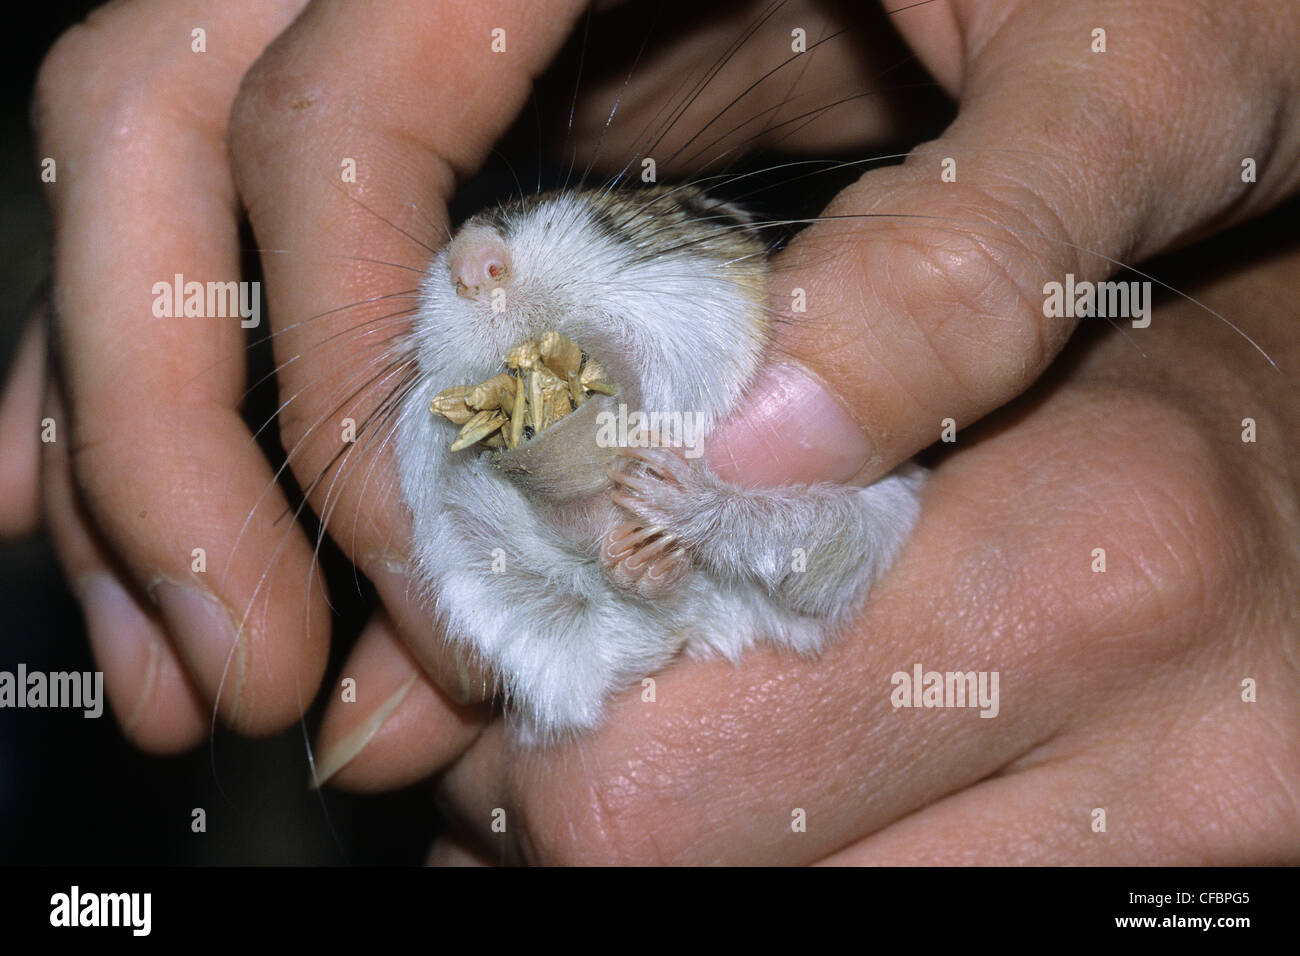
662	489
648	556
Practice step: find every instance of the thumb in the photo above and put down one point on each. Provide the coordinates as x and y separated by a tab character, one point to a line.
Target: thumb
920	295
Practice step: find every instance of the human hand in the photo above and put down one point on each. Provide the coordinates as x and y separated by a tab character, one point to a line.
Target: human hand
152	460
1122	690
343	97
596	800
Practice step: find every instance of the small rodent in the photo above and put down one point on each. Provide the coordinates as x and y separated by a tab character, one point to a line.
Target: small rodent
572	567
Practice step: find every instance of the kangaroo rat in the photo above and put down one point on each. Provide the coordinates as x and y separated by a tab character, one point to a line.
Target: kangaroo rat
572	566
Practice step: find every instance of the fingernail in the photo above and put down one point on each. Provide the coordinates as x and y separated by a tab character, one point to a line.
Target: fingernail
206	636
120	638
438	659
791	430
340	753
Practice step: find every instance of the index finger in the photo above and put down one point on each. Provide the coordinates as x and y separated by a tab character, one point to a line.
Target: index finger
346	155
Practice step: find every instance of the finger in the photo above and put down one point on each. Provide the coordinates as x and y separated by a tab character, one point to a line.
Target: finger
386	726
20	428
156	705
1131	791
169	473
412	110
925	298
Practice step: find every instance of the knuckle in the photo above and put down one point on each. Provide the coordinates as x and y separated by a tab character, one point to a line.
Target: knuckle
973	292
122	61
270	95
1184	517
107	455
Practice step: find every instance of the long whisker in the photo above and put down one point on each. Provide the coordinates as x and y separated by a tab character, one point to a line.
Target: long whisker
334	255
419	242
368	383
718	65
808	117
747	90
627	82
577	85
393	319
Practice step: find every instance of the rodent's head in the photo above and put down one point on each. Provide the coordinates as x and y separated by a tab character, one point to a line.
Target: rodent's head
664	286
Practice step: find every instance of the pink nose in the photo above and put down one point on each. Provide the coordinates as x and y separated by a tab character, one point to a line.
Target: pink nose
478	261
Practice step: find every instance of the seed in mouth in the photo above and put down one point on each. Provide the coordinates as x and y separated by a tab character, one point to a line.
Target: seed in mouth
545	379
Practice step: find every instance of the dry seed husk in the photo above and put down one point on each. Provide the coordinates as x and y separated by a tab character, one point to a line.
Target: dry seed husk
547	378
560	353
535	408
555	399
479	427
592	372
450	404
515	433
576	394
524	356
496	392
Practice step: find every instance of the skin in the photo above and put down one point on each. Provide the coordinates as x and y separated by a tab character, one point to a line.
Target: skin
1119	691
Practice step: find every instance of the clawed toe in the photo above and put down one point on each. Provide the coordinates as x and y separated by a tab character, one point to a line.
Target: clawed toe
624	540
667	463
632	481
647	562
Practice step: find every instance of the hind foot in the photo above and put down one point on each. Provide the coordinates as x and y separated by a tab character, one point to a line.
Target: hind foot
647	562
